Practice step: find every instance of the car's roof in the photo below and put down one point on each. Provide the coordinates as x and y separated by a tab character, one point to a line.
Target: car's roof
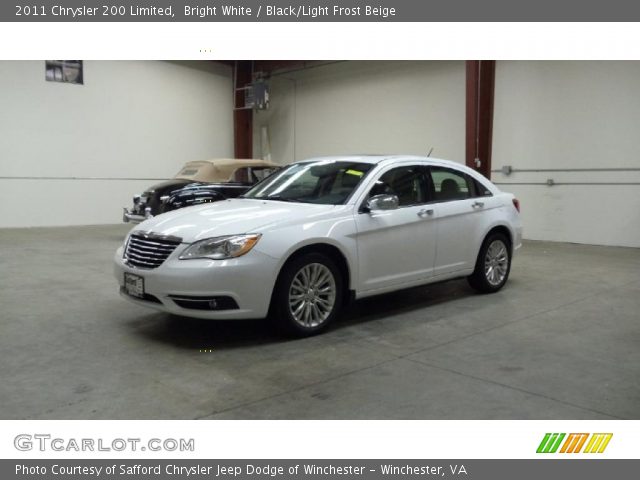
234	162
379	158
391	159
219	169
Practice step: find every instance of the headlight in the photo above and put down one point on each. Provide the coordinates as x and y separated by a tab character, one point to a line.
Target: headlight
220	248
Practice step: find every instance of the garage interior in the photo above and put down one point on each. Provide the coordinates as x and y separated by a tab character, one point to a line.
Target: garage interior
560	341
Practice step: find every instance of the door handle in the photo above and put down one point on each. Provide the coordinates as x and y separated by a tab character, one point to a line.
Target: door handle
477	204
425	212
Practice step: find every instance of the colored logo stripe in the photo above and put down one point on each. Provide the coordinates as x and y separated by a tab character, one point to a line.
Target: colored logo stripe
550	443
598	442
575	441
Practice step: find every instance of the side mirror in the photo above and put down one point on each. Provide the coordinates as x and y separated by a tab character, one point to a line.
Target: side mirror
383	202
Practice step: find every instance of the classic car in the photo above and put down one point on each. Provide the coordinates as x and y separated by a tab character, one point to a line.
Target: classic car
321	231
199	182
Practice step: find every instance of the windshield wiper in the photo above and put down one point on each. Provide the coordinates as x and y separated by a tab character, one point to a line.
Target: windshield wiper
280	198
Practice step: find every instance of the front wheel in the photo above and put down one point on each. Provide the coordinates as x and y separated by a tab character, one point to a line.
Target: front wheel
493	264
308	295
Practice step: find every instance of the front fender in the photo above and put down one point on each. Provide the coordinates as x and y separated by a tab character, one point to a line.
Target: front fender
281	244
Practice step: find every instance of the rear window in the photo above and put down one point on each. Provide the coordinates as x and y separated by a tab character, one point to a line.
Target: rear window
449	184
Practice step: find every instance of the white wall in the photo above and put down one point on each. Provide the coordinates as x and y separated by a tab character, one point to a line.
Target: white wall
571	115
366	107
129	120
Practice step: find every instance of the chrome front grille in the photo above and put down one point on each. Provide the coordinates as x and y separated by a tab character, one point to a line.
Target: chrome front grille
149	250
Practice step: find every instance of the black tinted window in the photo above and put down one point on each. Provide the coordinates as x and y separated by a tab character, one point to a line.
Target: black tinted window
481	190
409	184
451	185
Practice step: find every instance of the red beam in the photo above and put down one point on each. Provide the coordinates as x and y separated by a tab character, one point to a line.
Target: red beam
479	114
242	119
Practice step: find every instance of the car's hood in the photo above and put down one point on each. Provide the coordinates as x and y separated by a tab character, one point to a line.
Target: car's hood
168	185
233	216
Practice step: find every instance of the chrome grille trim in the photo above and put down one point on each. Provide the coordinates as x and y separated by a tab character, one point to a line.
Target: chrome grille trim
150	244
142	252
149	250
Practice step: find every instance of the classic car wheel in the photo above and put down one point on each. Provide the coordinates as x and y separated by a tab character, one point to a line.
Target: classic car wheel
308	295
493	264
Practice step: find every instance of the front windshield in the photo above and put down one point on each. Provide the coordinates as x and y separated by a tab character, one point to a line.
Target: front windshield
325	182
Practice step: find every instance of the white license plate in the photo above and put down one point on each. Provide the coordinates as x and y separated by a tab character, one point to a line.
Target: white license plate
134	285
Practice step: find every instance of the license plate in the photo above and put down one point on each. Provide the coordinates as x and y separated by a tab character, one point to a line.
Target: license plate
134	285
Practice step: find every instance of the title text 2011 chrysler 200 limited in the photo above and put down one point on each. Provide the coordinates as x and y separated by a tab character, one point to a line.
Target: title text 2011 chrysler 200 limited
305	239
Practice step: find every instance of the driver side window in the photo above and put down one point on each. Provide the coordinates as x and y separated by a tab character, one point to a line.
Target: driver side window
408	183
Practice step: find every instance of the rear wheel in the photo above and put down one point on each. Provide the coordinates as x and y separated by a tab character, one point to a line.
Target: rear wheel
308	295
493	264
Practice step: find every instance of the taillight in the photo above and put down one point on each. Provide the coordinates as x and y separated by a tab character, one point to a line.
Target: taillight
516	203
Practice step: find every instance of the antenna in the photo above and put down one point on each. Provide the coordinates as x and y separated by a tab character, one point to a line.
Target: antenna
430	150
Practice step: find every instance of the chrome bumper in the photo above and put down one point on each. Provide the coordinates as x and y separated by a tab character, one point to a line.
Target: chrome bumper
129	217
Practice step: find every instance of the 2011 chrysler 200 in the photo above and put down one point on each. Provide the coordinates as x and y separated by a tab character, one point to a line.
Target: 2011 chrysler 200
302	241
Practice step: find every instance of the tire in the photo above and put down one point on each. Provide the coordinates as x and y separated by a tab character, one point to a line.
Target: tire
492	265
308	295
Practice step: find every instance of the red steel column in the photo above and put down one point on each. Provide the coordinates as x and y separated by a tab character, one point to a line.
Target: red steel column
479	116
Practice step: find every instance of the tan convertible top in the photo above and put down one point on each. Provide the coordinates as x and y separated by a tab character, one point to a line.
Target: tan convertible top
219	169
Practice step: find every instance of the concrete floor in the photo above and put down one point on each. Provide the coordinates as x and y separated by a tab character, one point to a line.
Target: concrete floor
560	341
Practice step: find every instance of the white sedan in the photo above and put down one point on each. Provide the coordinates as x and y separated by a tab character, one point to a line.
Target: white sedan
316	233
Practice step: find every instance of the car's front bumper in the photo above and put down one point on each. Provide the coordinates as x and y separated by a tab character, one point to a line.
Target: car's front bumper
248	280
128	216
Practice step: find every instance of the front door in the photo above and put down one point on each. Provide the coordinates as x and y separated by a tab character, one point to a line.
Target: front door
397	247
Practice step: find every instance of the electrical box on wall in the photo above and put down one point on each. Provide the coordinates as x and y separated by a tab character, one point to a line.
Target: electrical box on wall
256	96
64	71
260	95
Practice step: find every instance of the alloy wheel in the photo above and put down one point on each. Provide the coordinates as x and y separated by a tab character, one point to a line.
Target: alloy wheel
496	262
312	295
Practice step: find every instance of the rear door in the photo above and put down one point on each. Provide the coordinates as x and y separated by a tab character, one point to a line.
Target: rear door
397	247
461	203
